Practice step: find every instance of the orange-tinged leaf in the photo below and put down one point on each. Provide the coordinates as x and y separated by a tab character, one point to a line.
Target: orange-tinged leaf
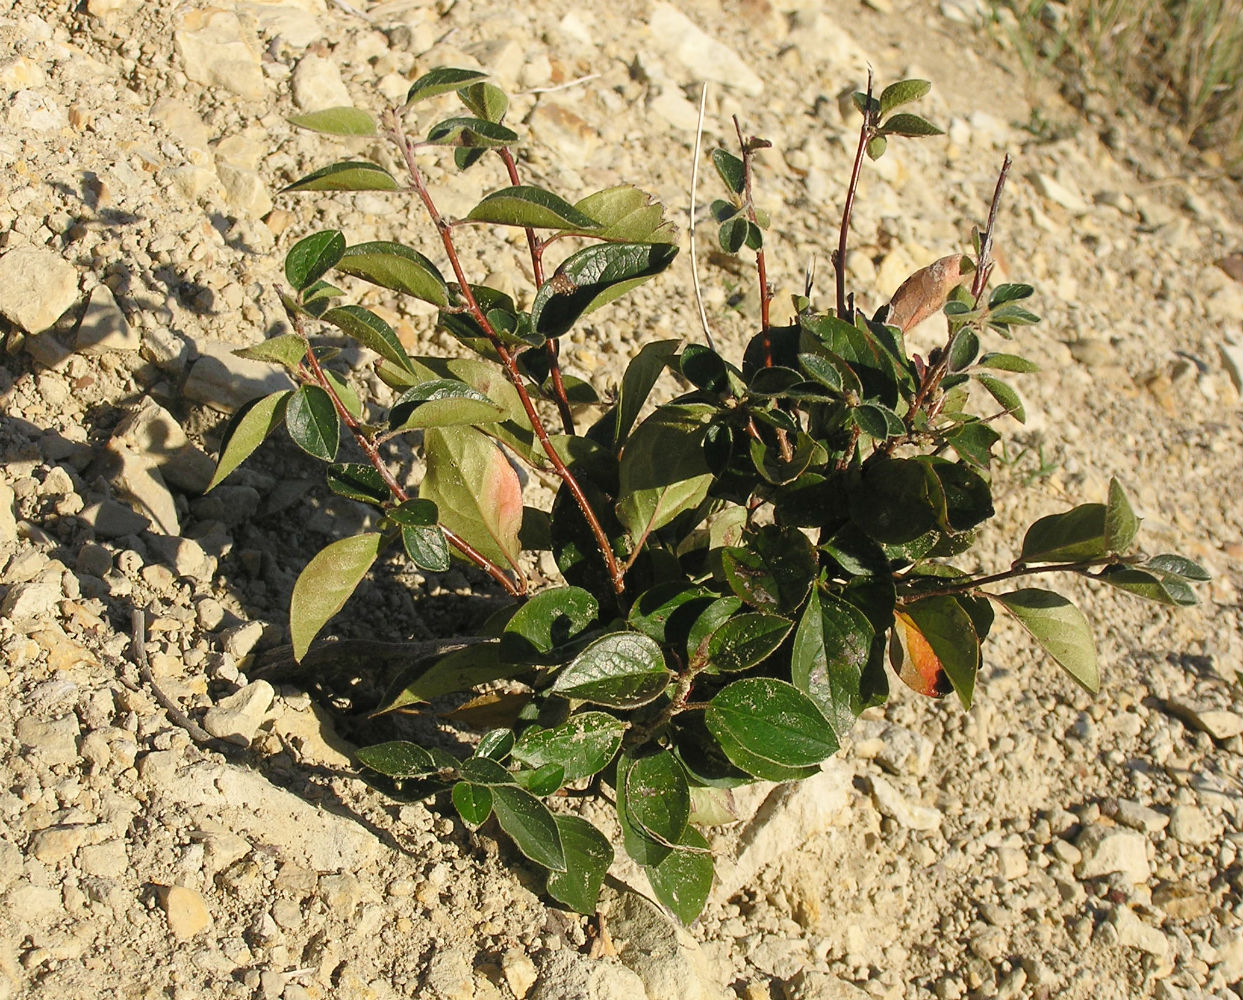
926	292
917	666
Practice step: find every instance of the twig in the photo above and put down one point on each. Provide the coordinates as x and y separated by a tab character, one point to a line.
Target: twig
839	258
138	649
699	299
563	86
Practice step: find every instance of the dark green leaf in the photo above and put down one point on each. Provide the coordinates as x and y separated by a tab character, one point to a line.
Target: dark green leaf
543	781
336	121
1121	522
663	471
731	170
1068	537
442	403
1008	363
657	797
667	609
895	501
865	103
963	348
1153	586
683	879
877	421
247	430
1006	396
583	745
1013	315
909	125
398	759
973	441
326	583
711	615
641	375
547	622
772	569
460	670
533	207
530	825
902	92
473	803
370	331
286	349
311	258
1009	293
395	266
465	157
428	548
485	100
1172	565
483	770
772	721
588	855
968	501
350	175
312	421
346	393
358	481
831	650
732	234
1060	629
742	642
477	133
620	670
441	80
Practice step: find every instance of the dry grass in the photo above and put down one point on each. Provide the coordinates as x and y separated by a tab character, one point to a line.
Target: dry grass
1182	56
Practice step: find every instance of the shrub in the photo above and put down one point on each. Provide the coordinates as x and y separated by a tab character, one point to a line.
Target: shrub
738	562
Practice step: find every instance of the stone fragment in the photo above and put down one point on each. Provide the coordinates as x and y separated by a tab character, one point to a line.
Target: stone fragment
8	515
896	749
1140	817
221	846
293	20
1182	900
1191	825
1219	723
312	733
56	742
104	327
216	51
1110	849
55	843
676	35
185	555
1134	933
969	12
561	129
903	811
519	971
244	190
112	519
241	639
662	954
153	432
224	381
30	604
138	479
237	717
1060	193
106	860
567	973
810	985
183	121
37	285
317	84
186	911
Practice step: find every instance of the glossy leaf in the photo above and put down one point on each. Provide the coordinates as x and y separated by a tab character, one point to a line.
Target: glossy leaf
620	670
370	331
441	80
1152	586
358	481
477	133
349	175
1005	395
831	650
973	441
710	616
1068	537
657	797
246	430
732	234
336	121
530	825
731	170
326	583
483	770
1121	522
583	745
285	349
1060	628
938	636
667	609
311	258
742	642
476	490
548	621
396	266
910	125
637	383
532	207
485	100
683	879
1008	363
442	403
663	472
627	215
460	670
772	721
398	759
772	570
473	803
588	855
902	92
1178	566
312	421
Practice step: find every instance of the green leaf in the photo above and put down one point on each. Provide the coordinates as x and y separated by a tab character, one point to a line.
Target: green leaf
326	583
711	616
1072	536
398	759
543	781
642	848
349	175
358	481
1172	565
876	147
973	441
312	421
496	744
533	207
442	403
663	471
395	266
483	770
877	421
1009	292
771	721
246	430
620	670
530	825
1060	628
831	651
370	331
683	879
939	629
588	855
473	803
637	383
1121	522
476	490
336	121
584	744
346	393
741	643
460	670
628	215
865	103
667	609
593	277
477	133
428	548
1012	315
772	569
441	80
732	234
657	797
1153	586
485	100
311	258
1005	395
1008	363
547	622
910	125
286	349
902	92
731	169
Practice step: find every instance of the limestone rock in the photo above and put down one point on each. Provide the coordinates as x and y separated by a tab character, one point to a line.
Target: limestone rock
895	805
186	911
565	973
104	327
809	985
667	959
153	432
185	555
217	51
237	717
1191	825
55	741
519	972
29	604
244	190
317	84
707	59
8	517
1110	849
37	285
1134	933
139	481
112	519
224	381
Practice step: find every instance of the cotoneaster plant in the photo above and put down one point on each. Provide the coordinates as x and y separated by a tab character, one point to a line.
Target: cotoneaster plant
739	563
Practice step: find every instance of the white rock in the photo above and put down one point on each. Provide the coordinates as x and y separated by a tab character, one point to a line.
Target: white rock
104	327
224	381
183	121
1191	825
1140	817
36	286
237	717
809	985
1134	933
240	640
897	750
153	432
1232	361
675	109
1219	723
964	11
902	810
217	52
662	954
1060	193
55	741
139	481
186	911
673	33
106	860
566	973
30	605
317	84
311	731
185	555
112	519
34	111
295	21
244	190
8	515
1110	849
519	971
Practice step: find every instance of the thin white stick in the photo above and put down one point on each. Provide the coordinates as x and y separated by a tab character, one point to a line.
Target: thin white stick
563	86
699	131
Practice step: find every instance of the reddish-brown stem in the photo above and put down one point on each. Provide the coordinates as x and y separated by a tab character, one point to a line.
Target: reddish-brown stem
395	488
616	573
766	295
839	259
965	586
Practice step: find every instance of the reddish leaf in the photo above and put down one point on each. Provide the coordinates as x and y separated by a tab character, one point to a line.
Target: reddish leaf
917	666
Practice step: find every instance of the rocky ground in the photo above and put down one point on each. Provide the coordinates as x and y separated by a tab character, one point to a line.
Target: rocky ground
1043	844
